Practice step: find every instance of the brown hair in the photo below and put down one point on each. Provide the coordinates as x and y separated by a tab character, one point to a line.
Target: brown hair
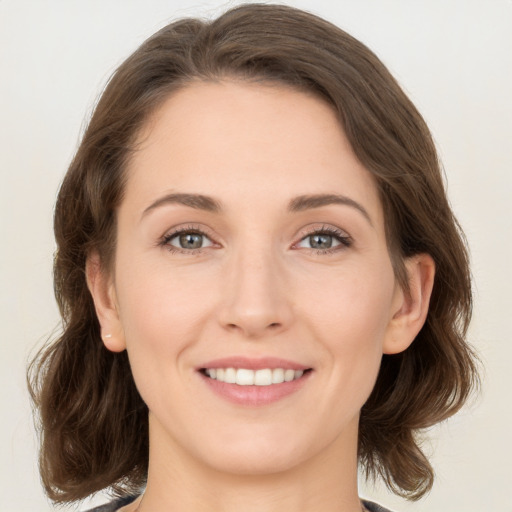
93	423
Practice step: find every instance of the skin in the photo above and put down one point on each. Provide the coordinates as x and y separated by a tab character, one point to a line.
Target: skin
256	288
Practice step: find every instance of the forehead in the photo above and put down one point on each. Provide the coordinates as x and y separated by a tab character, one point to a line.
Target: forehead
248	143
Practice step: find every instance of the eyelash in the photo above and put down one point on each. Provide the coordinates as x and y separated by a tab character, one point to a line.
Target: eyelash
164	242
345	241
343	238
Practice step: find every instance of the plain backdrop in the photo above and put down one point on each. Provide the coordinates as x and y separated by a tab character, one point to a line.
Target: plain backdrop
454	59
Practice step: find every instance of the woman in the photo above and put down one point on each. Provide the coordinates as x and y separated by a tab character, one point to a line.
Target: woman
261	280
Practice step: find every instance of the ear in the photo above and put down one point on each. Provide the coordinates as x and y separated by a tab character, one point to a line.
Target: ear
103	293
410	307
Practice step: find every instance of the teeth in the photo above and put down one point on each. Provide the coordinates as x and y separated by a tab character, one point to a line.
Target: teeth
230	375
277	376
263	377
289	375
245	377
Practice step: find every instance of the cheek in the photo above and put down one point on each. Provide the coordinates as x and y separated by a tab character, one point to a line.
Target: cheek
160	314
164	314
354	307
158	301
351	320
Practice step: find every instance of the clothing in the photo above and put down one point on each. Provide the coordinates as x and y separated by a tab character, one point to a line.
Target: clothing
121	502
374	507
114	505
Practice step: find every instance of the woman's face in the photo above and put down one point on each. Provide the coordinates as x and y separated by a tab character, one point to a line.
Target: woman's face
251	247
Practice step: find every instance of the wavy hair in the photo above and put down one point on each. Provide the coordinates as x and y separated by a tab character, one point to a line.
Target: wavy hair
93	423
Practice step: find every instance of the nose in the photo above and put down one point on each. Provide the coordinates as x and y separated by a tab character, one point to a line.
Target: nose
256	296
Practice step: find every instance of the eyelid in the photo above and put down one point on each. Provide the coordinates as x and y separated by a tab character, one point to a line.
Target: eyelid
345	240
181	229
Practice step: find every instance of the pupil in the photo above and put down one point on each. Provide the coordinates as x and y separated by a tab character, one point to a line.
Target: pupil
191	241
321	241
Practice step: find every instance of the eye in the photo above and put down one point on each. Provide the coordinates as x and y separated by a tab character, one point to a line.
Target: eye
187	240
325	240
319	241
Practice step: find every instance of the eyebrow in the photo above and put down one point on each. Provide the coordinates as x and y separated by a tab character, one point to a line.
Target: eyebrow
307	202
297	204
197	201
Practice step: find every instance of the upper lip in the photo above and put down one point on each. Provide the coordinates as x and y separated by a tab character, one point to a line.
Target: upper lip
253	363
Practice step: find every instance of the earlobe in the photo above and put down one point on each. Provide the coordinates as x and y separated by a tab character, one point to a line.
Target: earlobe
412	306
103	294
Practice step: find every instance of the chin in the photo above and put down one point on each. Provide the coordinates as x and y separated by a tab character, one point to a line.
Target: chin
258	453
257	462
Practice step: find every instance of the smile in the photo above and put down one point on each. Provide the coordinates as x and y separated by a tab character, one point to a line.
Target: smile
254	381
248	377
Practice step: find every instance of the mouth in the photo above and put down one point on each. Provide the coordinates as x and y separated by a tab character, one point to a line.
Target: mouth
250	377
254	381
250	382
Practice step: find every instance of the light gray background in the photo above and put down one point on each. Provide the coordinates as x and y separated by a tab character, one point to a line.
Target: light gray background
454	59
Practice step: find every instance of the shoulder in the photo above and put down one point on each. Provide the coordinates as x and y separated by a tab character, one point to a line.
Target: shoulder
373	507
113	505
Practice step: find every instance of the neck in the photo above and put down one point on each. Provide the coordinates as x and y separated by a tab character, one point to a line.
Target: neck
179	482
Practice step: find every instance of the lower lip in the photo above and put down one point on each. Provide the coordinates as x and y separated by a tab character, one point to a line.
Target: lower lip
255	395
